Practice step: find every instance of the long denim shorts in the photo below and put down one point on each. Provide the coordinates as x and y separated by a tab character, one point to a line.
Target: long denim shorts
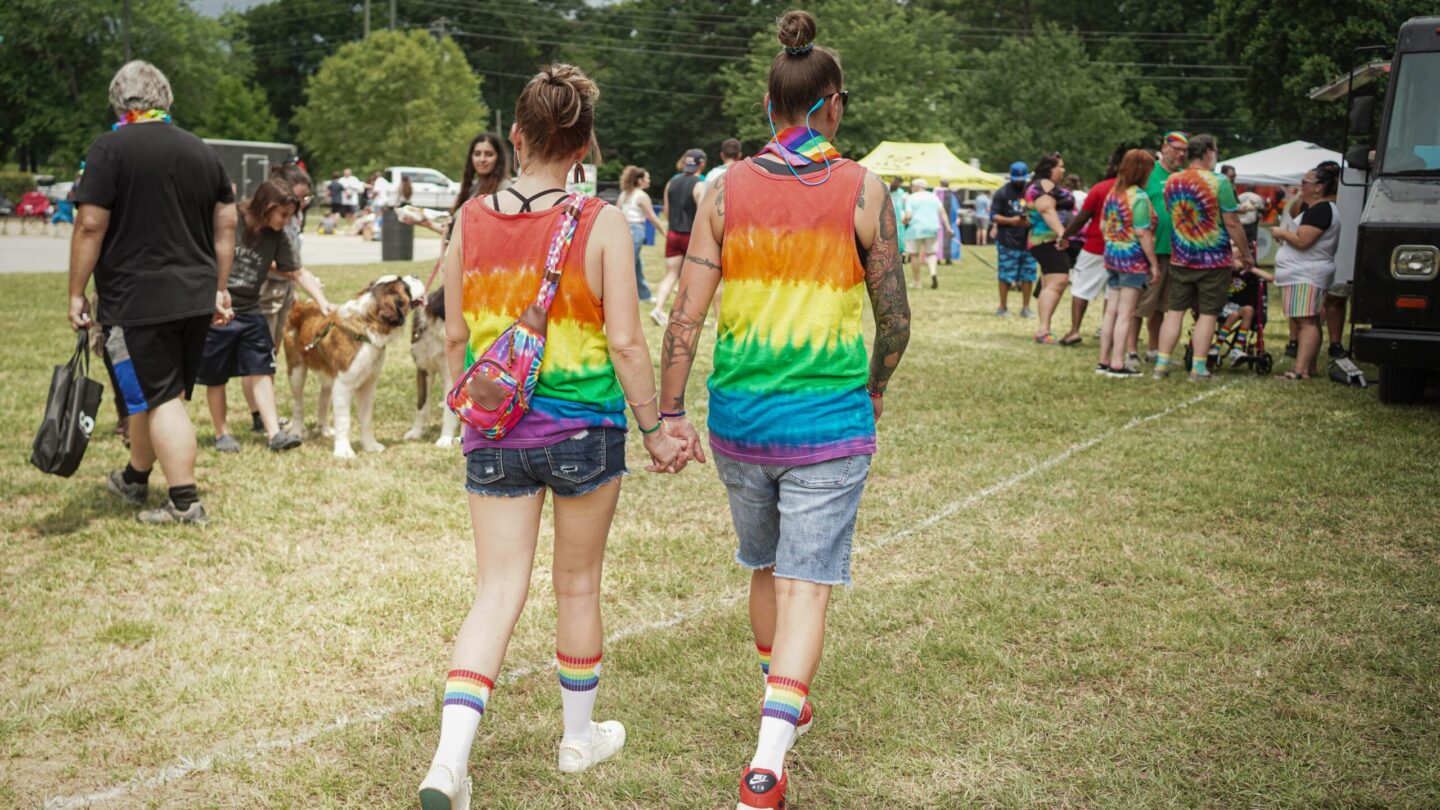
575	466
798	520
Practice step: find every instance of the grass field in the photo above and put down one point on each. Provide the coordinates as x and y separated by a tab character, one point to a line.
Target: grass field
1070	592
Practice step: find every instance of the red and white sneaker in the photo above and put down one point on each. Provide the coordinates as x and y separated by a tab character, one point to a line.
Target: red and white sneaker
807	716
760	788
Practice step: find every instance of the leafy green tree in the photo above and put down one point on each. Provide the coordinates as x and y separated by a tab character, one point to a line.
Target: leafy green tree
1034	95
900	70
289	39
395	98
239	111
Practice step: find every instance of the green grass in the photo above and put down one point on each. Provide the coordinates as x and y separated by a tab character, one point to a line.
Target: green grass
1234	604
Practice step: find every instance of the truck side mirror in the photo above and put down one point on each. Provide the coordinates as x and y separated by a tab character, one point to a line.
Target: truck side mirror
1358	157
1362	115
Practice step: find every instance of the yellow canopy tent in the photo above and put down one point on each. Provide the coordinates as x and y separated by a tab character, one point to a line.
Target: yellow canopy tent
932	161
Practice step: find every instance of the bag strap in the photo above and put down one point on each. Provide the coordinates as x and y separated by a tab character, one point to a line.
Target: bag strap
80	360
559	249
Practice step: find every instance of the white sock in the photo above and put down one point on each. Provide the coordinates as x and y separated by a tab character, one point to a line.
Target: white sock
579	685
774	742
466	694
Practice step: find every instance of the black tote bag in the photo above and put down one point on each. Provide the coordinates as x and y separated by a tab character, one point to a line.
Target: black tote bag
69	415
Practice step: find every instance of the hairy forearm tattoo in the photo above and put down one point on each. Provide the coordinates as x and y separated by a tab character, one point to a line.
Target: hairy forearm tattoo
677	352
885	282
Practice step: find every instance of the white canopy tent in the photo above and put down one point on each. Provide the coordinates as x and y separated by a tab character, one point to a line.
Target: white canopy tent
1281	165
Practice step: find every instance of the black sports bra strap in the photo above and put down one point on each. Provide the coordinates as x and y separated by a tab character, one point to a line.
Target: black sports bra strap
526	201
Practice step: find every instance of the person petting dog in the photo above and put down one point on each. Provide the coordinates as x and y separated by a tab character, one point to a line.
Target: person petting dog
571	441
244	347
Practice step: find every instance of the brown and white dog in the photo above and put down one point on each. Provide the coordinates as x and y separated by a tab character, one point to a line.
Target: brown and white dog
347	349
427	346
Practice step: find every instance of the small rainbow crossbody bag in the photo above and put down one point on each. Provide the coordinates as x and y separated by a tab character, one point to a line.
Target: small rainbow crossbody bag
493	395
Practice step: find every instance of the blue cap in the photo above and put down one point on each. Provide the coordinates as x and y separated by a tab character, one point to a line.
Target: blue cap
1019	170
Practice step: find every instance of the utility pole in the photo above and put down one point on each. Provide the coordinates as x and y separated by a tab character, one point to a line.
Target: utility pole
392	15
437	28
367	19
127	30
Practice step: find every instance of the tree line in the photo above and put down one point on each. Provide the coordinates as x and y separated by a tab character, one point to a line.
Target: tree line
996	80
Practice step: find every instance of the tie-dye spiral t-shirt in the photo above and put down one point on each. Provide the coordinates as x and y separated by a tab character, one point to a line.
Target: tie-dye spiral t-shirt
1197	199
1126	213
1040	230
504	262
790	363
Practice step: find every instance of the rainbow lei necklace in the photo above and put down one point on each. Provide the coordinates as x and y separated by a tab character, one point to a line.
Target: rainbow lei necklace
131	116
801	146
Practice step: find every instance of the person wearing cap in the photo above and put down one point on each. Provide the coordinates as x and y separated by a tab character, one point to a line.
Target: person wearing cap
1015	267
1152	301
681	199
924	227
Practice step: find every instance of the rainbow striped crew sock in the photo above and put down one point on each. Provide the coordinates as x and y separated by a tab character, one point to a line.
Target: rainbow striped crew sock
1242	338
1222	336
466	695
579	686
764	653
784	699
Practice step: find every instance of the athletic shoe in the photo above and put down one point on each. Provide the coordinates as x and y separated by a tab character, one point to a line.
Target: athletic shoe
1002	312
1291	349
1160	373
1026	313
168	514
761	788
226	444
807	716
1206	377
1132	360
441	791
935	282
1337	351
1236	355
1214	350
1122	373
1150	357
1047	339
283	441
660	318
133	494
1101	368
606	740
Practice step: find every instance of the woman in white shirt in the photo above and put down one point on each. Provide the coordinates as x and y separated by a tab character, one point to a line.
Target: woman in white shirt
1305	265
636	205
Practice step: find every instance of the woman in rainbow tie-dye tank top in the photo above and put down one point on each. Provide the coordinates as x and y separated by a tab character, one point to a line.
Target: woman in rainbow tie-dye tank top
793	397
572	440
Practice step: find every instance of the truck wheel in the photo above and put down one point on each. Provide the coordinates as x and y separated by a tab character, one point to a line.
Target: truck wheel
1402	386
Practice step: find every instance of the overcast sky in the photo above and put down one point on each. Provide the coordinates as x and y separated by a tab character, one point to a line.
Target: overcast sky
213	8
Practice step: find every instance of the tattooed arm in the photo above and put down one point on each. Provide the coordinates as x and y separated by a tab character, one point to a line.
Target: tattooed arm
885	282
699	278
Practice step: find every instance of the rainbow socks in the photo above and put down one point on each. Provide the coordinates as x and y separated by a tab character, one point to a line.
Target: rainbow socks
784	700
466	694
579	684
1242	338
764	653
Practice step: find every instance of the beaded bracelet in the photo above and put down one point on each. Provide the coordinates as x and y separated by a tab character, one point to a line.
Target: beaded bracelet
658	424
675	415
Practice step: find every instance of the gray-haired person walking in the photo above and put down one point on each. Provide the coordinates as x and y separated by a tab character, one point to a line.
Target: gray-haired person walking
156	227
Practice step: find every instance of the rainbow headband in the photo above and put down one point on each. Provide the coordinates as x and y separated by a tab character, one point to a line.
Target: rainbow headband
132	116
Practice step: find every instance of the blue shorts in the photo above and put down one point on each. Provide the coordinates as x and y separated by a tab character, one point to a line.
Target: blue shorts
798	520
1125	281
575	466
241	348
1016	265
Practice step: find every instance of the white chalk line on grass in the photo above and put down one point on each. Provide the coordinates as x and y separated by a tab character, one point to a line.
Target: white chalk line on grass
187	765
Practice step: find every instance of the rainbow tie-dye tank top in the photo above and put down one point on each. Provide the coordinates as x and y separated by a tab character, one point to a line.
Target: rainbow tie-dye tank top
1125	215
504	260
788	387
1196	200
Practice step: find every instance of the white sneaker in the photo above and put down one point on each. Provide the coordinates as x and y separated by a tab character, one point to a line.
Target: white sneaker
441	791
606	740
660	318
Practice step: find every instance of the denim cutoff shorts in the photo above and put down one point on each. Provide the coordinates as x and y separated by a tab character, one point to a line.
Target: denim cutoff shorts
575	466
798	520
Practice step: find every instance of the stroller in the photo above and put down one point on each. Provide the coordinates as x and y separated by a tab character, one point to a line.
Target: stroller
1252	354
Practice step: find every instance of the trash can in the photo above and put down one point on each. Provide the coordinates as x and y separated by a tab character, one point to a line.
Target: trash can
967	232
397	240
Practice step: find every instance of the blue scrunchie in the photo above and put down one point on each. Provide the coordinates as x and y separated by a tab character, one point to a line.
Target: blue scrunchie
802	50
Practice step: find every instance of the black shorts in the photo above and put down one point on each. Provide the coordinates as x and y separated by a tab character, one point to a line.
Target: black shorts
153	364
241	348
1054	261
1248	294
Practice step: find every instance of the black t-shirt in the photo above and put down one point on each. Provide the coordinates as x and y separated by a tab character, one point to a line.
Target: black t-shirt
161	185
1009	201
253	256
1318	216
682	202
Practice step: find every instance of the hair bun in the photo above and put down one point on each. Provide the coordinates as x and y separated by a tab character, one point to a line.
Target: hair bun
796	32
567	95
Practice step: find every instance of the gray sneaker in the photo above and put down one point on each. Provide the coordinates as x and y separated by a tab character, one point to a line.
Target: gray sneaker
134	494
1026	313
168	514
283	441
226	444
1002	312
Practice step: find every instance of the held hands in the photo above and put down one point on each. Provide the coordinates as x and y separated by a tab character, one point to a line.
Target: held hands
675	445
79	312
